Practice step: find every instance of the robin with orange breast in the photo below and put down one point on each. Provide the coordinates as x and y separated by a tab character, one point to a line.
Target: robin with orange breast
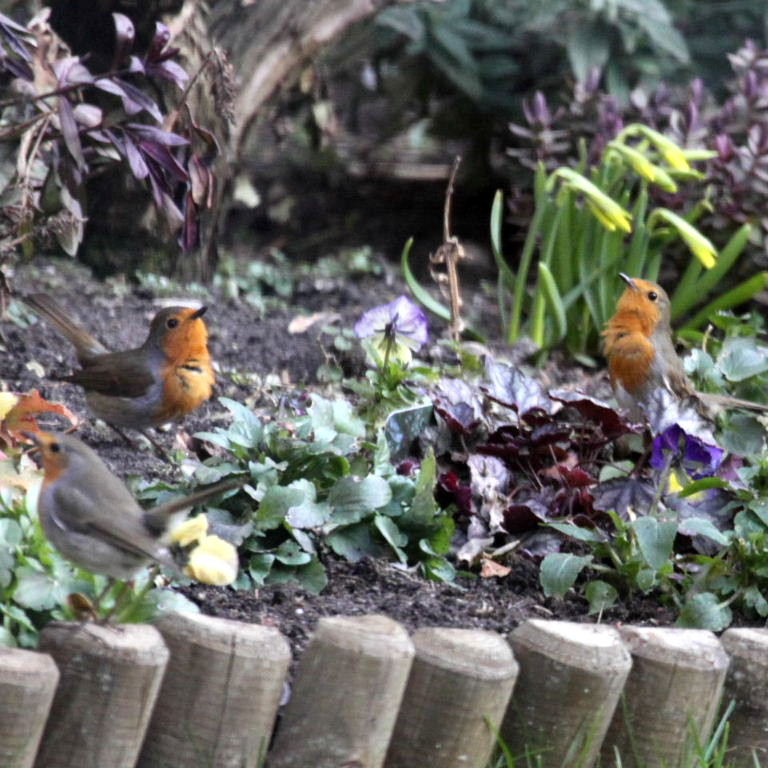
167	377
648	377
89	515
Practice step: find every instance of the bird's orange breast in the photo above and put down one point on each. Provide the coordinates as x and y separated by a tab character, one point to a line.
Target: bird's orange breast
630	353
186	386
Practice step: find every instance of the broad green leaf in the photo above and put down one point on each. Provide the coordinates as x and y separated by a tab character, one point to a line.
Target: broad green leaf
289	553
37	590
656	539
404	426
439	569
601	595
700	526
311	576
277	502
705	611
259	567
741	358
558	572
353	498
577	532
392	535
171	601
354	542
423	507
11	534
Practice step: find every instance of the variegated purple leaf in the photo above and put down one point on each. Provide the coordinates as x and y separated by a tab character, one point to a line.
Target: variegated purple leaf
88	115
70	133
105	84
16	42
16	67
10	24
190	232
135	100
164	201
158	135
135	160
160	154
160	39
169	70
124	34
71	71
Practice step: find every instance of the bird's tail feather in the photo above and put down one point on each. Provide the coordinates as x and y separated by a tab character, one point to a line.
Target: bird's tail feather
86	345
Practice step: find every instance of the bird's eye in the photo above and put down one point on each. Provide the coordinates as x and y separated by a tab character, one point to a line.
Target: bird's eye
172	322
54	447
652	295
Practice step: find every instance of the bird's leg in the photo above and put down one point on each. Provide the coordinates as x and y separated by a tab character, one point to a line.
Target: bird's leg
159	450
122	434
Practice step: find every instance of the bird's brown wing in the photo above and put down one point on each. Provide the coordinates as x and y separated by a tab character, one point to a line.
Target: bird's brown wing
108	517
121	374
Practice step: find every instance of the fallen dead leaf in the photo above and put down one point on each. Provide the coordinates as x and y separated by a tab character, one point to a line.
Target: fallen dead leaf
302	323
491	569
21	415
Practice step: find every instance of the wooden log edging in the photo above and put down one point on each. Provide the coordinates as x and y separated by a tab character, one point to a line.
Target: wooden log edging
459	678
219	699
571	677
670	699
110	677
350	682
28	683
747	686
359	693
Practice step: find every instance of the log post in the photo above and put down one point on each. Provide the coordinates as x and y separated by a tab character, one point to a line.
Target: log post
347	694
747	686
110	676
219	698
670	699
27	685
459	678
571	677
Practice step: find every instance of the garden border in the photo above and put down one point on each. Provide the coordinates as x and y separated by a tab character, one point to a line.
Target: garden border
204	691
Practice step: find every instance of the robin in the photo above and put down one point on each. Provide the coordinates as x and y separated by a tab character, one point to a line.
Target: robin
647	376
167	377
89	515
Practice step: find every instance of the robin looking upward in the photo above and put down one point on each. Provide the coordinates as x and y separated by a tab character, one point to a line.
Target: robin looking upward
646	373
167	377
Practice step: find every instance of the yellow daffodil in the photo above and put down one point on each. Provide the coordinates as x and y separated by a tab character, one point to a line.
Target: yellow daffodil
191	530
608	212
213	561
699	245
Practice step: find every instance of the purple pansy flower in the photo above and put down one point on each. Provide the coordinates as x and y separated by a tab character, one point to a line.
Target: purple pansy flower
399	327
697	458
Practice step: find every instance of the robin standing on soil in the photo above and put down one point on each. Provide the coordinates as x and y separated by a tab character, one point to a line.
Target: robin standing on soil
89	515
167	377
646	372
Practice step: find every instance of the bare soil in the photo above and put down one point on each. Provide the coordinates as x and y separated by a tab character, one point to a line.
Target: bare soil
249	348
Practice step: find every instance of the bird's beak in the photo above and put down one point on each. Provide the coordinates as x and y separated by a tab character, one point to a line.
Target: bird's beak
199	312
629	281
